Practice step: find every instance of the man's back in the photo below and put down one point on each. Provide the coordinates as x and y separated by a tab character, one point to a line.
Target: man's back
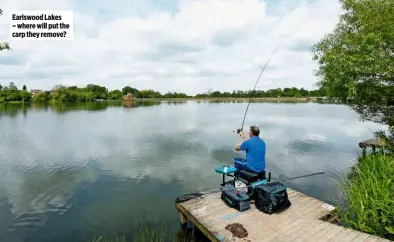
255	153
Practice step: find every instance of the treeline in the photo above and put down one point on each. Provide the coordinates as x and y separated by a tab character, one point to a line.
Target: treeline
93	92
11	93
278	92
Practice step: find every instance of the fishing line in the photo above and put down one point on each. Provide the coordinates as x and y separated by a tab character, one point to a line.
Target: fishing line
258	79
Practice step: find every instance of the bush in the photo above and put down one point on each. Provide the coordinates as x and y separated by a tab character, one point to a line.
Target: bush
369	191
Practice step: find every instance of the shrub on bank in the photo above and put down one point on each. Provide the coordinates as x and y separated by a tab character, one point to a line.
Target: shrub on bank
369	191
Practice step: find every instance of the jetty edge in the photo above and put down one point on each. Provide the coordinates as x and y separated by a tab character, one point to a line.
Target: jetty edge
308	219
304	218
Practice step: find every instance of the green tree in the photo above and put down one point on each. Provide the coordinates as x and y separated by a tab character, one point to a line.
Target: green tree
128	89
115	95
26	96
1	87
24	88
42	97
4	45
149	93
100	92
12	86
356	60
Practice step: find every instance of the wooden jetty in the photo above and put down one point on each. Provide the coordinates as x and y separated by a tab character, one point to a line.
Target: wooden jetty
373	143
304	220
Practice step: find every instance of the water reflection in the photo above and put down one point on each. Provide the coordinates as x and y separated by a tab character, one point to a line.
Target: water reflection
13	109
69	172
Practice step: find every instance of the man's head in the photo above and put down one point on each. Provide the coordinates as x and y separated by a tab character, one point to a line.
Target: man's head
254	131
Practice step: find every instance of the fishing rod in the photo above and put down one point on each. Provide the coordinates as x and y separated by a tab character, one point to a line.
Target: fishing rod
287	179
258	79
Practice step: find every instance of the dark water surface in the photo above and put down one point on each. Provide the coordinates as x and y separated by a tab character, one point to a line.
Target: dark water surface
70	172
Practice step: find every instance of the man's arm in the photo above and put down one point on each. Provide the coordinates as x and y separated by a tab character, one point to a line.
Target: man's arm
243	135
243	146
238	147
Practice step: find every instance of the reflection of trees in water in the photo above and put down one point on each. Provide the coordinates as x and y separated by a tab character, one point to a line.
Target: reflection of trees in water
14	109
61	107
175	102
142	103
246	100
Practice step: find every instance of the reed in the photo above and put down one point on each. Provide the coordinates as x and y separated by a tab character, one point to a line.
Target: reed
144	233
369	194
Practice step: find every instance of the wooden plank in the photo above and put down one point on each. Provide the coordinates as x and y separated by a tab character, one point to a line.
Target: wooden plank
197	223
252	229
344	235
183	218
279	220
314	226
327	236
374	142
300	230
300	222
320	230
360	237
257	215
383	240
219	228
371	238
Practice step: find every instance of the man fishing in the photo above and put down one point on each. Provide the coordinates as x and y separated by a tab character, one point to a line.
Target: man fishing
255	152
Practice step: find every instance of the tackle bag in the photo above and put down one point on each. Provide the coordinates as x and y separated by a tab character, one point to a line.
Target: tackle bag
271	197
234	198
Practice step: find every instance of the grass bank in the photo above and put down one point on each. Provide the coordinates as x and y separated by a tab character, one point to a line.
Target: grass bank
369	192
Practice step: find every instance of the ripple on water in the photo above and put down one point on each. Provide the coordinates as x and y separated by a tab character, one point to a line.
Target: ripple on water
307	147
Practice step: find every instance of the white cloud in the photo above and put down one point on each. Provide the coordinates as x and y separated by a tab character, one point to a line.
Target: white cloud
205	44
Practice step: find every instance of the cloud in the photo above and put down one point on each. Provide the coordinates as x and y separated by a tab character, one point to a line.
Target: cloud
184	46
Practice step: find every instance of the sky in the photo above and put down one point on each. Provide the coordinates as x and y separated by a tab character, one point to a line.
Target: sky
186	46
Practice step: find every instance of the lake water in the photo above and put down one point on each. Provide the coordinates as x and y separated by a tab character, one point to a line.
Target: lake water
72	172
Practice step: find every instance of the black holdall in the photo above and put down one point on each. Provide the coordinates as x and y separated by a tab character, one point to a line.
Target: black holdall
271	197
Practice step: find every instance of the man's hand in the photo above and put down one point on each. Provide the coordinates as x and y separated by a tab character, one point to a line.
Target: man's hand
238	147
242	135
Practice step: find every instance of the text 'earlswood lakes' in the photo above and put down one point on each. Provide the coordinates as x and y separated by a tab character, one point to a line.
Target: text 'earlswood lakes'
36	17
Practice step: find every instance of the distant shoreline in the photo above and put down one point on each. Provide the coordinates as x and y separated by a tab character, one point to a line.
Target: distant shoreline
264	99
295	99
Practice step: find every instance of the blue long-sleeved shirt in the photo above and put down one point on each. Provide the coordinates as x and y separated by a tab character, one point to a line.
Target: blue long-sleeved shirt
255	153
